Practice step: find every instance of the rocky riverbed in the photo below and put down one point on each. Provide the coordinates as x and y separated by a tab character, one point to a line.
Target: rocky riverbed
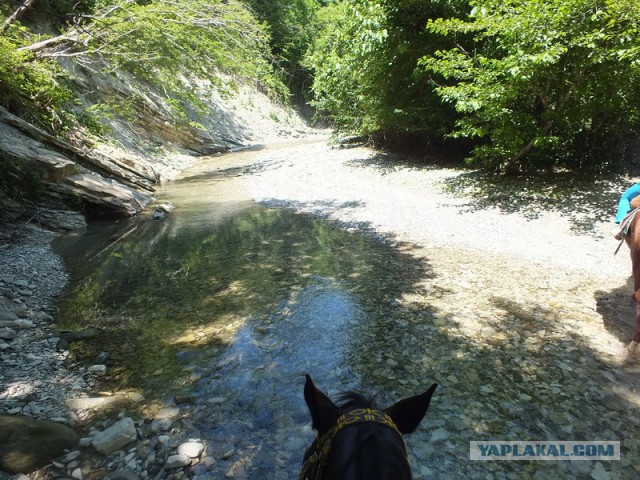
39	379
523	277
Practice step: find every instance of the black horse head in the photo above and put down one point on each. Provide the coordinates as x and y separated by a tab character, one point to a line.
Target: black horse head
358	441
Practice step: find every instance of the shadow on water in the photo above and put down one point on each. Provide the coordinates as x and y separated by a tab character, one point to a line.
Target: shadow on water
224	305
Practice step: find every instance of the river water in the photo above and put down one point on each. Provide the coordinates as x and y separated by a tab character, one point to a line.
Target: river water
222	307
228	304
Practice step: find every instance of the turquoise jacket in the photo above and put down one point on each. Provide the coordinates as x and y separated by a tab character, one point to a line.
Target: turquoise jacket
625	201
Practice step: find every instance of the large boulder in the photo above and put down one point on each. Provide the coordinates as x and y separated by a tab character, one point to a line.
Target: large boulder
27	444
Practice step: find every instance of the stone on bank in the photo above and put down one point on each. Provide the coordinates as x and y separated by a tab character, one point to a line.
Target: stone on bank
115	437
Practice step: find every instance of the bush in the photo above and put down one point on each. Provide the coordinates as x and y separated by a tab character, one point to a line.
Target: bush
34	89
366	67
543	84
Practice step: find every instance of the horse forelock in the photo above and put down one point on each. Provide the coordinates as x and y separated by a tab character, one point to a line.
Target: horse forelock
350	400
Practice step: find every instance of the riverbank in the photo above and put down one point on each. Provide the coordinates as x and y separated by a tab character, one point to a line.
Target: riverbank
527	278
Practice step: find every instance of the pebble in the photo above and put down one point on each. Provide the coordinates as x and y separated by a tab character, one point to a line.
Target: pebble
191	449
7	317
7	334
97	369
439	435
123	474
115	437
161	425
599	472
177	461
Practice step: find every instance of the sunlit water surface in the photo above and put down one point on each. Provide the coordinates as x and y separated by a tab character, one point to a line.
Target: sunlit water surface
224	305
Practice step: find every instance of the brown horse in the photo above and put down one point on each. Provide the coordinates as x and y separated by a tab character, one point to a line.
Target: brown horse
632	238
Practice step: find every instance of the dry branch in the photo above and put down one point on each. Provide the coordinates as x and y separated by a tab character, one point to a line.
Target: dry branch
15	15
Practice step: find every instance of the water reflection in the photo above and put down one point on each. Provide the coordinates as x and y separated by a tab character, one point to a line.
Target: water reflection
256	386
222	307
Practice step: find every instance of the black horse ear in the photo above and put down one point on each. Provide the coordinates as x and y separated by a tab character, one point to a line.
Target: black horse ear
323	411
408	413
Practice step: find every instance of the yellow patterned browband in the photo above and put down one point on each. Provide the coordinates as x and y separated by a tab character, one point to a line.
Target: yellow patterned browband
314	463
363	415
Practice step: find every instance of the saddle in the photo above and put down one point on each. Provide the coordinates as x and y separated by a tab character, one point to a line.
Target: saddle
625	225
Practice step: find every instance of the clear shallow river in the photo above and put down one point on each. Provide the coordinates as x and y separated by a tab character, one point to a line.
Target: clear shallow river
224	305
228	304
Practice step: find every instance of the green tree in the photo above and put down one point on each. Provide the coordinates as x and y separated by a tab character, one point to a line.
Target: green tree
335	86
34	89
164	42
543	83
293	24
366	67
157	40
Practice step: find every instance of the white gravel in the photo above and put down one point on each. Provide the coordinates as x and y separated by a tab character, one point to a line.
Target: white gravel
396	201
406	203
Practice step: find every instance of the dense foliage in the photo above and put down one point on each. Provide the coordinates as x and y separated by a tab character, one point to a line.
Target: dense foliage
366	66
293	24
32	88
533	83
164	42
156	40
525	84
544	83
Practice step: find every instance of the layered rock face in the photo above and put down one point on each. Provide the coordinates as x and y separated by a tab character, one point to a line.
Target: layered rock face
45	167
58	182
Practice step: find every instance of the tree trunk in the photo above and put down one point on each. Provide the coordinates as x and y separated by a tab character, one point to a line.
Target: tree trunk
529	146
35	47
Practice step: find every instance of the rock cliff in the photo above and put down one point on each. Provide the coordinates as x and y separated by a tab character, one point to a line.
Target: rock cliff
58	182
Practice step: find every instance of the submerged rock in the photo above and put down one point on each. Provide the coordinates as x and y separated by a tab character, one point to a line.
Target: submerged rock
177	461
191	449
